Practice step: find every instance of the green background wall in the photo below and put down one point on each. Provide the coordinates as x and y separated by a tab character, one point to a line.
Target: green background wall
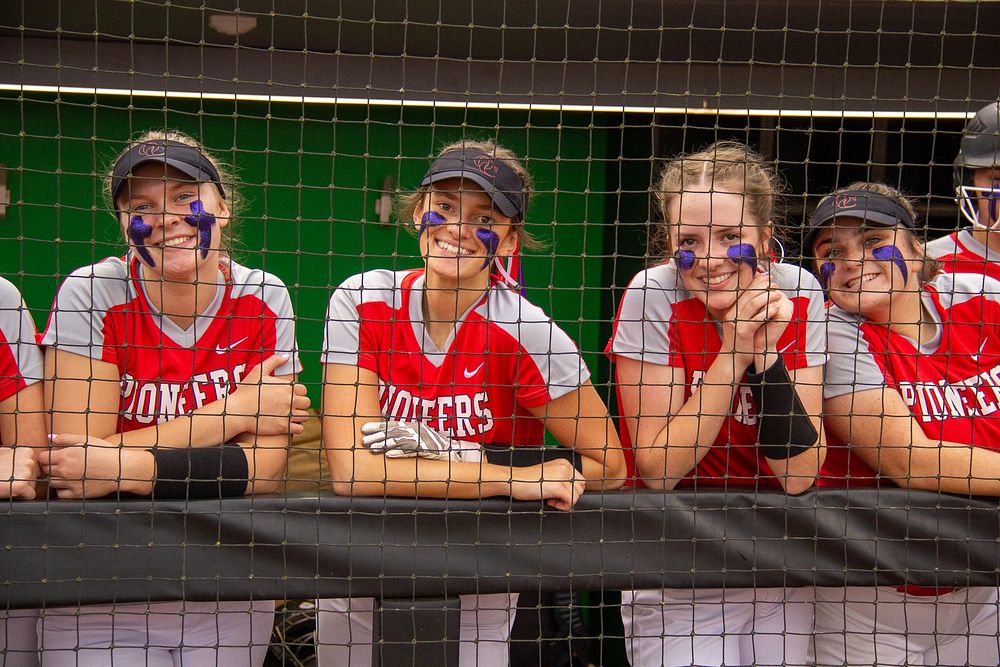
295	224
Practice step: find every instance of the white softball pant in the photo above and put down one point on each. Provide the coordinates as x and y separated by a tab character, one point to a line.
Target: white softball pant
716	626
162	634
883	626
18	638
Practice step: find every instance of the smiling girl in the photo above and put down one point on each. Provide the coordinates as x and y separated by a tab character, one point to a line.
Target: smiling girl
424	367
176	366
719	358
910	394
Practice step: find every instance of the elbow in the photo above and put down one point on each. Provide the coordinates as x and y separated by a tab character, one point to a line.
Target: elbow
266	471
614	470
347	482
261	486
659	483
800	472
343	484
651	467
655	477
343	488
612	481
797	485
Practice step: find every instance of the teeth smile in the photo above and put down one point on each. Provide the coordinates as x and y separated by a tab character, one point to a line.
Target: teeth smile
717	280
172	243
454	249
861	280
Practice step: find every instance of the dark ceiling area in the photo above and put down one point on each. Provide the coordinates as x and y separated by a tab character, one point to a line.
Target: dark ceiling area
798	56
803	32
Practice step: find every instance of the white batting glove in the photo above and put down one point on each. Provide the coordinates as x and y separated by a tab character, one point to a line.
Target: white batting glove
400	439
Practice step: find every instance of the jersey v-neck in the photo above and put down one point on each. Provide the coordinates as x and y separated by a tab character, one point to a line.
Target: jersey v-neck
931	304
413	290
185	338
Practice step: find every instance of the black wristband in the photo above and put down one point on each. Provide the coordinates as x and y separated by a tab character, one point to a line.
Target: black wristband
524	457
784	429
193	473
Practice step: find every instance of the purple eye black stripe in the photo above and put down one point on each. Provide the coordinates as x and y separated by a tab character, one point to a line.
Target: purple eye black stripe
825	273
138	232
430	218
891	252
204	221
685	259
491	241
743	252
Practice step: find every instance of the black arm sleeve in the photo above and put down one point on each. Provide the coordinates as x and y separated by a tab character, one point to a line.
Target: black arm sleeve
784	428
193	473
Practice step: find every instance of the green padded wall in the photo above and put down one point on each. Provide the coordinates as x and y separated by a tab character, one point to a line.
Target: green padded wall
295	224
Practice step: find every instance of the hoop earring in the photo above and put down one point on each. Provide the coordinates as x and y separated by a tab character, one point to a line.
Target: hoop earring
781	247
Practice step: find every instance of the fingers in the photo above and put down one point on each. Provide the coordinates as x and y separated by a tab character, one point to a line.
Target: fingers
565	494
754	312
749	300
22	488
67	439
401	452
19	471
558	504
300	397
769	310
371	428
271	364
375	441
61	464
43	458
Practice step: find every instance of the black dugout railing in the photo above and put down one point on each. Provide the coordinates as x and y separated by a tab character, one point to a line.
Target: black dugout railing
417	556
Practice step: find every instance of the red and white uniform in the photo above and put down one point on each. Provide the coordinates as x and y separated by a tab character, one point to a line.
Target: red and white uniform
103	312
952	387
661	322
20	366
960	252
504	357
951	383
20	359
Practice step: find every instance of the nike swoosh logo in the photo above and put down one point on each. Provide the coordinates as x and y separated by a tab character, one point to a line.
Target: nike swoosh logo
785	349
469	374
975	357
222	350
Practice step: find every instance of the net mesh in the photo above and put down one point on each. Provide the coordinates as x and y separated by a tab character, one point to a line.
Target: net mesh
323	116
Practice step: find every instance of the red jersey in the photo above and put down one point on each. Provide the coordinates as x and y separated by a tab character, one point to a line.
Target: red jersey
960	252
20	359
661	322
102	312
951	384
504	357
